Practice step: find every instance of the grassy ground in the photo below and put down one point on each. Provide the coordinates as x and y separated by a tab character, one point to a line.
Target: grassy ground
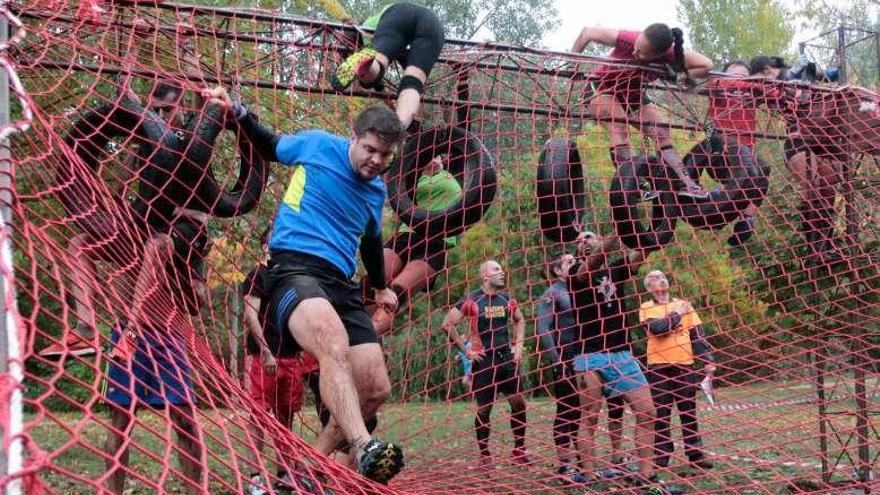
758	447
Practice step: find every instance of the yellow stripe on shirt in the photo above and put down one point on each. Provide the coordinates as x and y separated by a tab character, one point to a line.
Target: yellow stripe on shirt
296	189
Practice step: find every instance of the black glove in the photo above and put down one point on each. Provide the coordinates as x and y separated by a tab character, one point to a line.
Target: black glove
238	110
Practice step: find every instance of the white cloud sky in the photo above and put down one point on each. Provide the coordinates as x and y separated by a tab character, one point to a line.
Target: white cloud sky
623	14
627	14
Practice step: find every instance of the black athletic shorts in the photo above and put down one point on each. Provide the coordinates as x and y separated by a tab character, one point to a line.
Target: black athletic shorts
796	144
410	34
497	372
412	246
295	277
631	101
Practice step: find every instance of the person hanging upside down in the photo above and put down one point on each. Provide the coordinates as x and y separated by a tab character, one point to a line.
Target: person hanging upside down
619	92
496	359
405	32
412	261
332	209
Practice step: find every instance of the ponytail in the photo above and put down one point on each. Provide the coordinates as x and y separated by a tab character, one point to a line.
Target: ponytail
678	49
678	65
661	38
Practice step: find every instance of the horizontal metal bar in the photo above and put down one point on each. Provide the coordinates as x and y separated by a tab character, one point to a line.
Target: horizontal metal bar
547	110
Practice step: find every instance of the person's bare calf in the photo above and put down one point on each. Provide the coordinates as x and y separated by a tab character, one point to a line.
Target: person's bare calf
319	331
409	100
189	447
642	406
373	387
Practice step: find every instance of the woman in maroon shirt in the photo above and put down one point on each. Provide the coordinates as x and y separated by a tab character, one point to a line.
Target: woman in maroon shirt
619	90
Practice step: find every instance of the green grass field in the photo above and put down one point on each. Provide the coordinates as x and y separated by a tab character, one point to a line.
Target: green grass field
756	450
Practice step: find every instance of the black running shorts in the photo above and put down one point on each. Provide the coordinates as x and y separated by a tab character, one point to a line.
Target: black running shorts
295	277
497	372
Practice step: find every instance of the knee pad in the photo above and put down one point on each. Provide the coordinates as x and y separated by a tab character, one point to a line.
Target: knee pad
410	82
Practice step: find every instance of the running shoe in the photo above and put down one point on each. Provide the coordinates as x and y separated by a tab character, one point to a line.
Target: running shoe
649	486
380	461
610	473
742	230
486	463
693	191
351	68
257	486
570	474
648	191
521	456
701	462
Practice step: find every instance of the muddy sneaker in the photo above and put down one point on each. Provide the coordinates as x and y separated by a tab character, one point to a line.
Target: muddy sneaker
379	461
570	474
742	231
352	67
257	486
521	456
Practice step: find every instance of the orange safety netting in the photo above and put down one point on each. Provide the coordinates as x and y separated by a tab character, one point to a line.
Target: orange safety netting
139	210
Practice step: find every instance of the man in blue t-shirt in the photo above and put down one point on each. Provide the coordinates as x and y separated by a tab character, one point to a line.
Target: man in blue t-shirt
331	209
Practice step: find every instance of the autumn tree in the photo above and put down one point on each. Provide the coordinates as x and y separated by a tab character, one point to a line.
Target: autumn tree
727	30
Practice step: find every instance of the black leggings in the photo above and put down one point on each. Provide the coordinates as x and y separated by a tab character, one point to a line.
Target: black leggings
568	412
411	34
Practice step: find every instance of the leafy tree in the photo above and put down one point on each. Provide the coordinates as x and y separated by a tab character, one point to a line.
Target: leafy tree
861	17
737	29
518	22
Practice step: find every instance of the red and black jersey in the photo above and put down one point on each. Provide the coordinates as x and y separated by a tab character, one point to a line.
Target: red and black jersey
489	315
627	83
733	108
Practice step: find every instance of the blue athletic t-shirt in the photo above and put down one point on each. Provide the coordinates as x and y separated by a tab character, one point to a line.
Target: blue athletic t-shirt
327	207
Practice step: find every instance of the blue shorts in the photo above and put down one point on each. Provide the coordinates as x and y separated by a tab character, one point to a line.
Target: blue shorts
619	371
159	373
